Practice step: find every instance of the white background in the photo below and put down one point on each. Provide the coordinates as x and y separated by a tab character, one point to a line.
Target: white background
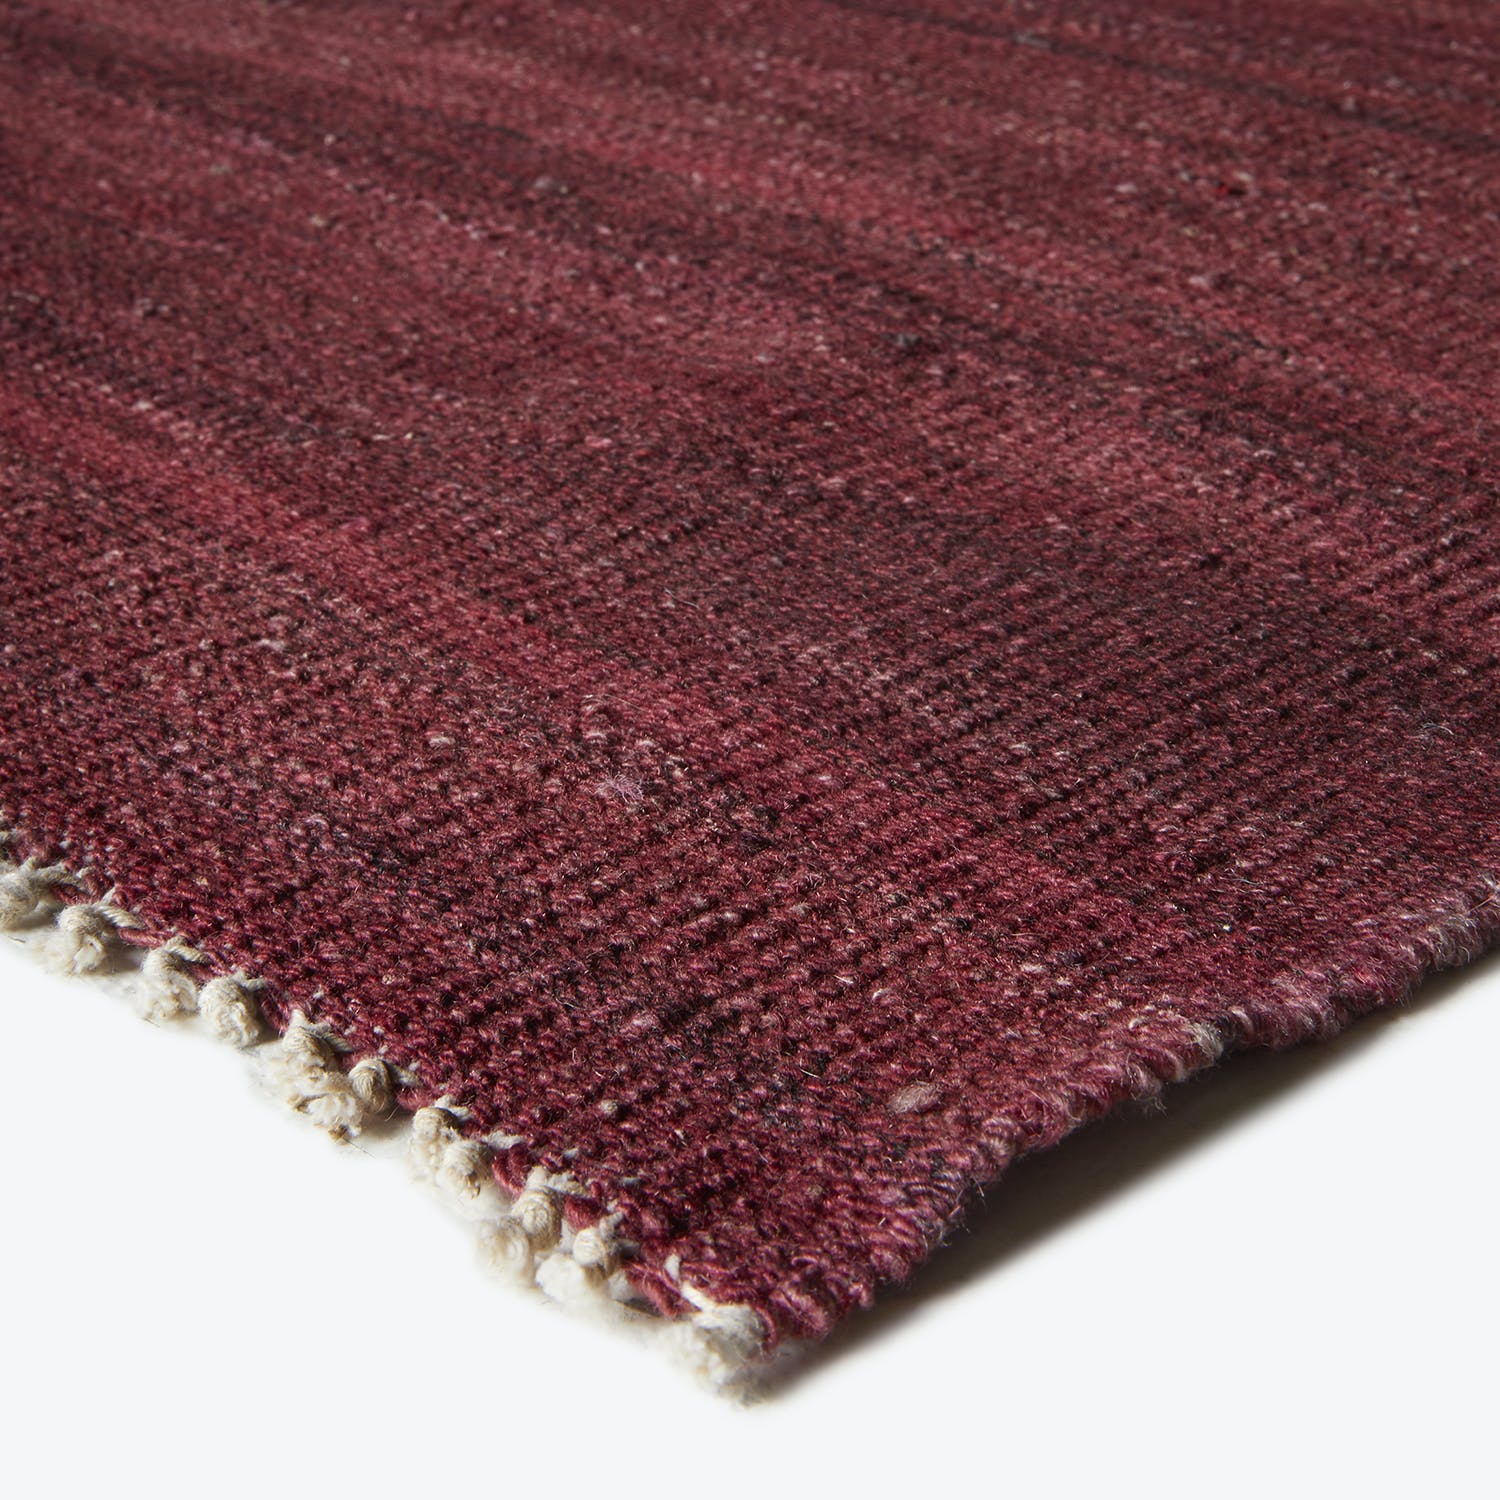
1283	1284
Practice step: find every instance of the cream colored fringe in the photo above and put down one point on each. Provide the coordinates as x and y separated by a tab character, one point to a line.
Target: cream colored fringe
526	1239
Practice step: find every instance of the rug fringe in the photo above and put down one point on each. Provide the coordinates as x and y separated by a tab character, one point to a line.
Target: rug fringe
525	1238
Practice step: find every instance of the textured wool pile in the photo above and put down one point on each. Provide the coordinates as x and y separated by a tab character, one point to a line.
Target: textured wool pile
750	609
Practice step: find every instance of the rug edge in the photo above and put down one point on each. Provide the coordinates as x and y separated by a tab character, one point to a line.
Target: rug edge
728	1344
526	1237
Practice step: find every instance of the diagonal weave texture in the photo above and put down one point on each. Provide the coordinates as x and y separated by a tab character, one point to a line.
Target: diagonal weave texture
778	602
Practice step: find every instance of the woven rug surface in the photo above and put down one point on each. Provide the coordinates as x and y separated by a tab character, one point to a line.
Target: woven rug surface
750	609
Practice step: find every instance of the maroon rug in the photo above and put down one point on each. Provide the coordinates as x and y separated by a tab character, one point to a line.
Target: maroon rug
760	606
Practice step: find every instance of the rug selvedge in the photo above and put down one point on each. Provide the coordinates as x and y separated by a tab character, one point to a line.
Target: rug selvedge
525	1231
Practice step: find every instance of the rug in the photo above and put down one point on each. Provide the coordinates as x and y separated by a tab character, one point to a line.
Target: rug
742	612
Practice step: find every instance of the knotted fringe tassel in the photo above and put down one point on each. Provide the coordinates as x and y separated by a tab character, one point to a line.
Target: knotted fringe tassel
526	1238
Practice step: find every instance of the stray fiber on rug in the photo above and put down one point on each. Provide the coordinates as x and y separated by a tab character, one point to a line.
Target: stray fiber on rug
747	611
